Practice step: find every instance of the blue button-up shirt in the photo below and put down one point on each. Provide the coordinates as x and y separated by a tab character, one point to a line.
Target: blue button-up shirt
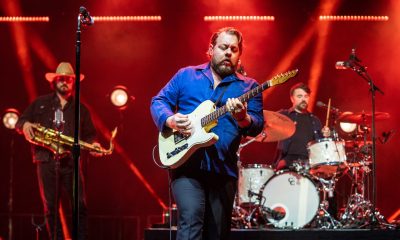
187	90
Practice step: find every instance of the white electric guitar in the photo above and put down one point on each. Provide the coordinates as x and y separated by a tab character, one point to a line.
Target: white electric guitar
174	148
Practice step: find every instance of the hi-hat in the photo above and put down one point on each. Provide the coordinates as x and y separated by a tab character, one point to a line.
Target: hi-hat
362	117
277	127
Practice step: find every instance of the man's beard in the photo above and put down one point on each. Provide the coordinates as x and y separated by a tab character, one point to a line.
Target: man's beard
223	68
64	91
302	106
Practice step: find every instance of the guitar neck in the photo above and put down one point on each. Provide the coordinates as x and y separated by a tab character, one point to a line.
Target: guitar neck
244	98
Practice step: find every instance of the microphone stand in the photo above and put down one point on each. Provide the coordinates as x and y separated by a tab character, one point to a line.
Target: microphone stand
59	127
11	189
362	72
82	20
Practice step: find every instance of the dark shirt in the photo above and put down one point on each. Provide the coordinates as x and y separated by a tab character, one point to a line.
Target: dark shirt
186	91
41	111
308	128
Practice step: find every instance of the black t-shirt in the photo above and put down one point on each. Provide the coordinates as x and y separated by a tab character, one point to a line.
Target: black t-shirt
297	148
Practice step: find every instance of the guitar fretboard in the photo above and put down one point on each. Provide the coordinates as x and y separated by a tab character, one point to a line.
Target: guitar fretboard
281	78
244	98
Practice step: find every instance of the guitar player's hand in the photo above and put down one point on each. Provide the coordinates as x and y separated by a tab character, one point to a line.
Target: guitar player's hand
181	123
239	112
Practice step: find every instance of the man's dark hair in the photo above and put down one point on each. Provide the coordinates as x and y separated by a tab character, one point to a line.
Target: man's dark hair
299	85
230	30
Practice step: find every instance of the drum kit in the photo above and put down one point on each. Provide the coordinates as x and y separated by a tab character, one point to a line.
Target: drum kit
299	197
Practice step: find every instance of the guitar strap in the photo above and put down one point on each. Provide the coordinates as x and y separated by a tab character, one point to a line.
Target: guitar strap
220	96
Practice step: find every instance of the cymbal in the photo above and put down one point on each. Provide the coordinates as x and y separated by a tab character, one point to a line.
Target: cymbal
277	127
357	143
362	117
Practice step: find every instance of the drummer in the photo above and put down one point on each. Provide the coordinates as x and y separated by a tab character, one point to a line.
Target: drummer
293	150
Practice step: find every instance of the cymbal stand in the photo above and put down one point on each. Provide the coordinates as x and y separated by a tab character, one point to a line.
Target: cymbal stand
324	218
359	209
263	135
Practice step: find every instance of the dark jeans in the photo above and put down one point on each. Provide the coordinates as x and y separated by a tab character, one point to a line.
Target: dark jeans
205	205
46	172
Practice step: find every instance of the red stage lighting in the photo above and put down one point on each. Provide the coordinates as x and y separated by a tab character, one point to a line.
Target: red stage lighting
354	18
239	18
120	97
127	18
24	19
10	117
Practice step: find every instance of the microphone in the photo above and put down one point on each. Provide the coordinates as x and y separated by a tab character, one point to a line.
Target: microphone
323	105
344	65
278	213
351	63
87	19
58	119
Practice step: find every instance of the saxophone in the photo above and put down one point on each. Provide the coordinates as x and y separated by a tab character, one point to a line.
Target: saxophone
56	142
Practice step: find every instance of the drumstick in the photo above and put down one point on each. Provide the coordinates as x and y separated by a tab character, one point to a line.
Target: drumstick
327	113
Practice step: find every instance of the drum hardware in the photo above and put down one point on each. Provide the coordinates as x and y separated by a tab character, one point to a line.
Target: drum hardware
249	216
324	218
247	209
361	212
359	209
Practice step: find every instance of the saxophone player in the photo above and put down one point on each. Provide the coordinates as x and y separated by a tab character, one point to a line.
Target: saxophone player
48	165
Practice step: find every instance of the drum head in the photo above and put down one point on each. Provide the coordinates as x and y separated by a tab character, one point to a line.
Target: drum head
294	196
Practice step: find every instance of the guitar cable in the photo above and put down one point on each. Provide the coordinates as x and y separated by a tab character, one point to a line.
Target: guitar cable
154	159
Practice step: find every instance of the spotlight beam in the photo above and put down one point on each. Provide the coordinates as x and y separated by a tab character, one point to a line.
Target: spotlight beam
316	65
124	156
21	46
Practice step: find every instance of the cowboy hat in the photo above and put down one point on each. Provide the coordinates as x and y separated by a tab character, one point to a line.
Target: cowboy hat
63	69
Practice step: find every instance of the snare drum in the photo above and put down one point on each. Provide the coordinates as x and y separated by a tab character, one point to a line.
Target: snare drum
294	196
326	157
251	178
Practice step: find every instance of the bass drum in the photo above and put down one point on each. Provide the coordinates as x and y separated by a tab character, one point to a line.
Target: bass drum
293	199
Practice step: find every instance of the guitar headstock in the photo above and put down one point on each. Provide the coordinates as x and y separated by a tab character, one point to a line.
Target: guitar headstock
283	77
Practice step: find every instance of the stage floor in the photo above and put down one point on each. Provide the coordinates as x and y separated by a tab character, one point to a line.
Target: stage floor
279	234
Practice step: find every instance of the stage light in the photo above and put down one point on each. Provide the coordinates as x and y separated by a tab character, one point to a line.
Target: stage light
127	18
24	19
10	118
239	18
348	127
120	97
354	18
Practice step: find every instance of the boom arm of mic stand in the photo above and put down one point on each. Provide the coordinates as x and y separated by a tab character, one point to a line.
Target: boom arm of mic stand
362	71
